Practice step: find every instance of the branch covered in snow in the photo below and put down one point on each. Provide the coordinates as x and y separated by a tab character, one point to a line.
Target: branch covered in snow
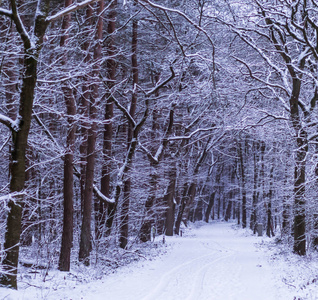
97	192
101	196
6	12
69	9
6	121
13	125
188	137
164	142
15	16
124	111
162	84
11	196
193	23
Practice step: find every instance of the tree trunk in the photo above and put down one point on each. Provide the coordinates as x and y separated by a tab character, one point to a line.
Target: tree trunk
210	207
228	211
198	212
269	227
299	192
181	208
127	183
85	242
300	172
243	189
253	220
84	105
108	128
168	200
67	234
190	189
19	141
145	231
148	222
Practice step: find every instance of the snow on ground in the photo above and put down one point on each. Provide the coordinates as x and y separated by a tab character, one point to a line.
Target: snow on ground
211	261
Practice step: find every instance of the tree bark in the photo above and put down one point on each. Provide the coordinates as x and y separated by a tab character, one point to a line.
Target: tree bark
301	141
108	128
19	141
127	183
253	220
299	192
300	173
269	226
145	231
84	105
210	207
68	182
168	200
85	242
243	189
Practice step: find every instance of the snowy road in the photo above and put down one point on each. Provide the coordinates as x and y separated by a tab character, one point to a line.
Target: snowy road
219	263
214	262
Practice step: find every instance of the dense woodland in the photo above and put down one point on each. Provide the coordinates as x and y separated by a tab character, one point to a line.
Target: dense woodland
122	116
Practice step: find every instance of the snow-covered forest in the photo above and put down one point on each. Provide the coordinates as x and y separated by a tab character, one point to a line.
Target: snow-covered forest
120	120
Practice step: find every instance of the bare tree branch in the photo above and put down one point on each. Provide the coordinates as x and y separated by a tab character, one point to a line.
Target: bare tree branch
97	192
6	12
69	9
7	121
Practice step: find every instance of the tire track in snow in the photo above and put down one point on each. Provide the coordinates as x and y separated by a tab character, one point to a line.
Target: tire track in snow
197	286
165	278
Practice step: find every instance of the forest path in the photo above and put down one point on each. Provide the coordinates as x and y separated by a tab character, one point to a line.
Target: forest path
212	262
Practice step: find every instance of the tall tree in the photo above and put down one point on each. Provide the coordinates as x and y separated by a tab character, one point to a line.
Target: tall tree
127	183
280	38
85	242
108	128
32	44
68	183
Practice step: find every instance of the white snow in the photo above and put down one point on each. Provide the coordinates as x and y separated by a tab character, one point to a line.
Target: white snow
210	261
6	120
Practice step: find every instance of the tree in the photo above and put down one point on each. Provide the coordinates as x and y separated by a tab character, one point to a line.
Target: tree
85	243
68	183
32	45
281	40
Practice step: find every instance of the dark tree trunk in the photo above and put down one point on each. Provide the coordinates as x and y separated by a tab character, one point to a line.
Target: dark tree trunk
181	208
286	208
198	212
269	227
67	234
253	220
243	188
84	105
189	190
228	211
168	199
19	141
127	183
299	192
230	205
85	241
188	195
219	206
145	231
300	172
108	129
209	208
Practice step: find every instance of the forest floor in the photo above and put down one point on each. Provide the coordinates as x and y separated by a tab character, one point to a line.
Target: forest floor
210	261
